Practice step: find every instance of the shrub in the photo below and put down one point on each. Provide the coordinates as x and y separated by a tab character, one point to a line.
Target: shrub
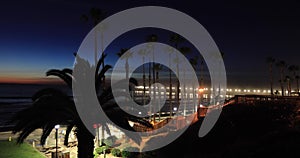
110	141
116	152
100	150
127	154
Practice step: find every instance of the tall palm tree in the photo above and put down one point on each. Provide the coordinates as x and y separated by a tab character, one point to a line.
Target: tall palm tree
128	55
143	53
170	50
95	15
281	65
297	82
157	68
176	39
288	81
270	61
51	107
151	38
194	63
184	51
294	69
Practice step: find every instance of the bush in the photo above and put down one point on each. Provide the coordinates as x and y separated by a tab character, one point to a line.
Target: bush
127	154
116	152
100	150
110	141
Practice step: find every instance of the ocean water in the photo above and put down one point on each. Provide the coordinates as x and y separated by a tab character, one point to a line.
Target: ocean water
16	97
27	90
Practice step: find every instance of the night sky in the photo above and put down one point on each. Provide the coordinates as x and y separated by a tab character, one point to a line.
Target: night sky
39	35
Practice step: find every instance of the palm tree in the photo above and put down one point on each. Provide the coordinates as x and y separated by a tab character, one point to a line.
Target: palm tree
176	39
128	55
297	82
271	61
151	38
194	63
51	107
157	68
184	51
281	65
288	81
170	50
293	69
96	15
143	53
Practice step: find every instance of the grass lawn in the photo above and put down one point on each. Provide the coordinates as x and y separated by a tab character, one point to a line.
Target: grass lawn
13	150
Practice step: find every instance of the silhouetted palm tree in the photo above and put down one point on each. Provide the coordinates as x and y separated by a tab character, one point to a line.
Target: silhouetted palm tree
143	53
271	61
288	81
281	65
294	69
170	50
176	39
51	107
194	63
95	15
157	68
151	38
184	51
297	82
128	55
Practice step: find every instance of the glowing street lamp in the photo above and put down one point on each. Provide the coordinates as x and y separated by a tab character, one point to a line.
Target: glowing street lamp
56	137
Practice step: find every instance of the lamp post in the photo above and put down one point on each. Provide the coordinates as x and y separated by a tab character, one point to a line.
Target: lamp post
56	137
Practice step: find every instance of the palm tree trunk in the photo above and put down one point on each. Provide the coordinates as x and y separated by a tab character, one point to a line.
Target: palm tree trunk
150	88
85	143
158	90
271	78
170	86
144	81
281	82
297	80
127	69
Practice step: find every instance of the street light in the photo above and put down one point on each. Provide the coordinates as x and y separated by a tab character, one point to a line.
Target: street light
56	137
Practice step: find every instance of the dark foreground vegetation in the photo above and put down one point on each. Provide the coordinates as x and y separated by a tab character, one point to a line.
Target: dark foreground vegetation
264	129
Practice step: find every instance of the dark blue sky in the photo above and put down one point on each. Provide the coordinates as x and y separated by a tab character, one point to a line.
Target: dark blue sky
38	35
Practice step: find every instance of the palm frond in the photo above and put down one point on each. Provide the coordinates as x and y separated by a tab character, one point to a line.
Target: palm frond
61	74
68	131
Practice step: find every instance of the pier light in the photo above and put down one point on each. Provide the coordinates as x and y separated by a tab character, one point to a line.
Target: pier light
258	91
245	90
254	91
269	91
265	91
